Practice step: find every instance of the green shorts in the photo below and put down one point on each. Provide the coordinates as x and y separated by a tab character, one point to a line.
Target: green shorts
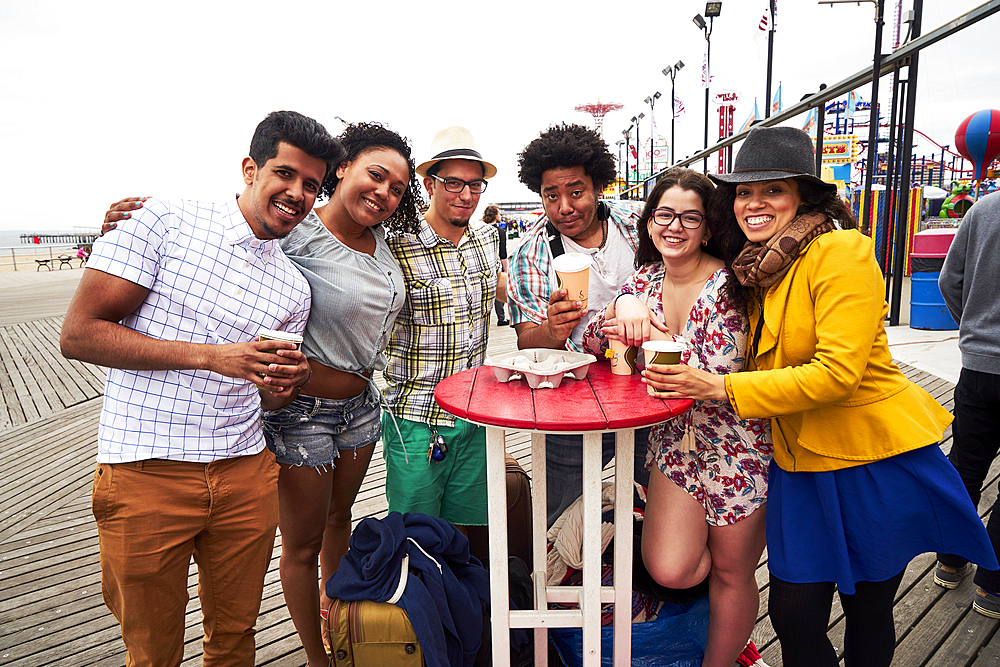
453	489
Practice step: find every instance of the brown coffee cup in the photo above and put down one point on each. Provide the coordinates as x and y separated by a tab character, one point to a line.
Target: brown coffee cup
622	356
573	272
665	352
270	334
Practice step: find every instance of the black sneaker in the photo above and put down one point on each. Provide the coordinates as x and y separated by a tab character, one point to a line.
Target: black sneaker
950	577
986	604
503	323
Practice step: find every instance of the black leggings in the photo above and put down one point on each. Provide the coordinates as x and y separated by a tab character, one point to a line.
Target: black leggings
800	614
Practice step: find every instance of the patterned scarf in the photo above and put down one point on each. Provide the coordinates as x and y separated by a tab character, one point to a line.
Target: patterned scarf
764	264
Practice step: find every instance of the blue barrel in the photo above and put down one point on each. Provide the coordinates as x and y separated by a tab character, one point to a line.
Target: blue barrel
927	309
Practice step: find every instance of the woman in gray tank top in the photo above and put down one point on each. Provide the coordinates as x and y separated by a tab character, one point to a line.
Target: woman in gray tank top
324	439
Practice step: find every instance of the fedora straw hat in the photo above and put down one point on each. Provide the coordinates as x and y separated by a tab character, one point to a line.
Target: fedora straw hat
454	143
774	153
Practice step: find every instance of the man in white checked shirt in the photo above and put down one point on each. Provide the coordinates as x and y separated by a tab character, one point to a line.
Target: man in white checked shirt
172	303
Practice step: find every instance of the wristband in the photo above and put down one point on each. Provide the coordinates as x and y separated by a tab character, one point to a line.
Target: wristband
308	379
615	302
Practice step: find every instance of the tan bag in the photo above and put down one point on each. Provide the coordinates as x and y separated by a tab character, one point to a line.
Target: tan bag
362	633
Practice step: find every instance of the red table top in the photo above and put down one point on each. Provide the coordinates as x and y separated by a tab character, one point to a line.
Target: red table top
601	402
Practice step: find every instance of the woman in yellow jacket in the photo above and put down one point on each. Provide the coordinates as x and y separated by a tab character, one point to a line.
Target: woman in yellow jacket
858	486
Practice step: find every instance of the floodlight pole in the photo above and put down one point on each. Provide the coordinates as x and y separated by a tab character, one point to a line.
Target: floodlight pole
866	212
672	73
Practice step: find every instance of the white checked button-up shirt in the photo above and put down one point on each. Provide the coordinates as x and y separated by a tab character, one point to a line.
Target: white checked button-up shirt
210	280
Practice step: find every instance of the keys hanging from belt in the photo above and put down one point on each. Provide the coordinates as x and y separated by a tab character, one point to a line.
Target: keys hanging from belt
436	448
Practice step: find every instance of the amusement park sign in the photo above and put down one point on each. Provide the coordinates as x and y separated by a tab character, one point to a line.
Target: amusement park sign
726	97
839	149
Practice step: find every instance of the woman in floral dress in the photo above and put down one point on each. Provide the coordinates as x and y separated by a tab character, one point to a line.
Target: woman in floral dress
702	515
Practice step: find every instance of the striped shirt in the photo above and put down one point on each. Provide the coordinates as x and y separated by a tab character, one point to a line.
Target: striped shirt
444	324
210	280
528	284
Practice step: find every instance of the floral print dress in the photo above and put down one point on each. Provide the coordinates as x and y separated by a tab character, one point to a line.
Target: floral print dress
727	472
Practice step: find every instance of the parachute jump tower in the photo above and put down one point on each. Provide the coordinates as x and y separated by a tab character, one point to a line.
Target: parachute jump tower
598	111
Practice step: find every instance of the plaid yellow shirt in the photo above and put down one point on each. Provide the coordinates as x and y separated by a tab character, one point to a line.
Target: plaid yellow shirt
444	324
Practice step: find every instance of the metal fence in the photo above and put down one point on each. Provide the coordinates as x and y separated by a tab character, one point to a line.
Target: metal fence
35	257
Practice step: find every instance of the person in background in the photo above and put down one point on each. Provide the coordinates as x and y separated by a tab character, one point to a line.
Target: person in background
858	485
491	216
968	283
705	506
172	304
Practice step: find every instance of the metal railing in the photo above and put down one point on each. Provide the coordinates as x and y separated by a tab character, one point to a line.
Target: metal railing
888	65
22	257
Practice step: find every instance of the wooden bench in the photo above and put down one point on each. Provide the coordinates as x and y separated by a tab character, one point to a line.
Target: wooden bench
64	260
47	263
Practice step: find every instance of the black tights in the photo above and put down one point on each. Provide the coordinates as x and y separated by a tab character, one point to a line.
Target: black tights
800	614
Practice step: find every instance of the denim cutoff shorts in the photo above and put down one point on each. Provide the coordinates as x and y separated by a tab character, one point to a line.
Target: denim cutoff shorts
312	431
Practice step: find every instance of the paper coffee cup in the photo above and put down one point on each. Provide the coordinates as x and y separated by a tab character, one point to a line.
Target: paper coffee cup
661	352
573	272
270	334
623	357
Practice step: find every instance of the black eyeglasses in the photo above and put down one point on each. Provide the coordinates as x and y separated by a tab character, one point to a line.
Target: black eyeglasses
476	187
689	219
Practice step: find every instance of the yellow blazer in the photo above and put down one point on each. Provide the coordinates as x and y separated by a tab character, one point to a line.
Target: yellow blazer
823	372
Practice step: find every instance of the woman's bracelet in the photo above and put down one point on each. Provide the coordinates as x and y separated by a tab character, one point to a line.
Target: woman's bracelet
299	387
615	302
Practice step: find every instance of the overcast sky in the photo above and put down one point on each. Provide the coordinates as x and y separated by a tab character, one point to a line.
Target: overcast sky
104	99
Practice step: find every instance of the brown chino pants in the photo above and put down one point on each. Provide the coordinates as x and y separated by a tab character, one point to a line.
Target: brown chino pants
152	517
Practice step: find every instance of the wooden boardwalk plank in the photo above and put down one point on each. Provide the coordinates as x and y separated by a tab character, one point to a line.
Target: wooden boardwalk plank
64	374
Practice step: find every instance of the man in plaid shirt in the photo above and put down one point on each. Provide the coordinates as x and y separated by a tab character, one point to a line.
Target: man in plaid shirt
569	166
452	273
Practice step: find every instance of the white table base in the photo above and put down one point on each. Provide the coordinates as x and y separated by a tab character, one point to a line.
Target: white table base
590	594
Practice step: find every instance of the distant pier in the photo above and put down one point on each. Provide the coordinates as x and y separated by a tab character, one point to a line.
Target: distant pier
78	238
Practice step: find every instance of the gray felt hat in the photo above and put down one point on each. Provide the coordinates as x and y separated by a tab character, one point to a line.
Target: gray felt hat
773	153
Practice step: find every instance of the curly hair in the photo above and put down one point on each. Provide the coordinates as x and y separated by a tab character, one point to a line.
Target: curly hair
815	198
686	179
566	146
491	213
359	138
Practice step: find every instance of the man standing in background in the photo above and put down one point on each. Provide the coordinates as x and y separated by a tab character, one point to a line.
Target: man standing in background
968	283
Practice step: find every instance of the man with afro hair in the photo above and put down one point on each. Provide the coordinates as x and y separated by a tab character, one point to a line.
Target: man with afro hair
569	166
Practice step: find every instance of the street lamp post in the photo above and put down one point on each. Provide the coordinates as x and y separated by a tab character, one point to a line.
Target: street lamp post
872	166
712	9
672	73
627	134
651	101
620	143
638	146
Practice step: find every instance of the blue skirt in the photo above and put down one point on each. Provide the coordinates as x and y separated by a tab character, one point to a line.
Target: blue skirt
867	522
